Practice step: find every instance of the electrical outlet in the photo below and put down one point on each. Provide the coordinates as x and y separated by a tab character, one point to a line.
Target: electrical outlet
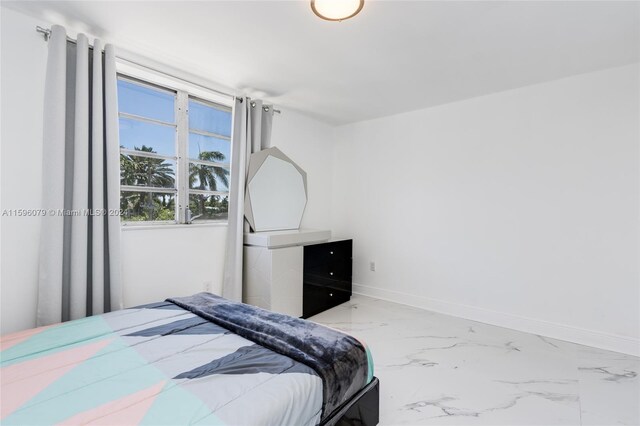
372	266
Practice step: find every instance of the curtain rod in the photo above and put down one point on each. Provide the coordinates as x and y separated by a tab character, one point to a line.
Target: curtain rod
46	33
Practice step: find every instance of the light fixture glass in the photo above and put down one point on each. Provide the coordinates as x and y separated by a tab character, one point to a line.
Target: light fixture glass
336	10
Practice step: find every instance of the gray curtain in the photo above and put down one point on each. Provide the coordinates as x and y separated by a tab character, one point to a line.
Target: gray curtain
79	265
251	133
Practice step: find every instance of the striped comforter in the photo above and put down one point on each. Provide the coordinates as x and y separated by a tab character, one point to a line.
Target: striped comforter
157	365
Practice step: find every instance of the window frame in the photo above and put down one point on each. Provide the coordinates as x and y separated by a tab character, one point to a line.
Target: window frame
184	92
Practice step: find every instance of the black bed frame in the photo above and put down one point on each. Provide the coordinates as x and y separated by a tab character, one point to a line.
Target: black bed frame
363	409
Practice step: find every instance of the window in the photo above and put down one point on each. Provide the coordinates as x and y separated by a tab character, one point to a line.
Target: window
175	152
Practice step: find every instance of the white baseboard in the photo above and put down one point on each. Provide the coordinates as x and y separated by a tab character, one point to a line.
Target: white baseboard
568	333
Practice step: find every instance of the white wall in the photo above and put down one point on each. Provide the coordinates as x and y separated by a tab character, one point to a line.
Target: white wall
162	262
157	263
309	143
519	208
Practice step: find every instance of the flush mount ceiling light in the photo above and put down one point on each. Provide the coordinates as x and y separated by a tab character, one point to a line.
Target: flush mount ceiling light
336	10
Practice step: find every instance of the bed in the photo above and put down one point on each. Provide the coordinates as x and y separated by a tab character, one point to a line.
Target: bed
199	360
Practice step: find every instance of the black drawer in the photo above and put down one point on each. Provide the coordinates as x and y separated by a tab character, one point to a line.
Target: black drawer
343	285
327	253
336	270
332	260
316	299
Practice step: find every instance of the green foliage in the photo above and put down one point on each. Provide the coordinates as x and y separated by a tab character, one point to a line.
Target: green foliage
144	171
154	172
166	214
212	207
209	178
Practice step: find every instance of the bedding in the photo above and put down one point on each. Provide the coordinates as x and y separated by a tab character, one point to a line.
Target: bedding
175	363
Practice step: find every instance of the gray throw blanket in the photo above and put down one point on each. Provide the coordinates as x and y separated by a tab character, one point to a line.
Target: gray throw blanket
339	359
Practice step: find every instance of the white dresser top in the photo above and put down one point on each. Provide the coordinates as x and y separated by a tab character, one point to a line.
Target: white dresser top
293	237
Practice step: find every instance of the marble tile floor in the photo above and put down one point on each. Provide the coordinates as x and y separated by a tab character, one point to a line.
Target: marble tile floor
437	369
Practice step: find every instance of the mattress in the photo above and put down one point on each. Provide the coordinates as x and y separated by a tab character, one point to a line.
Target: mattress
157	364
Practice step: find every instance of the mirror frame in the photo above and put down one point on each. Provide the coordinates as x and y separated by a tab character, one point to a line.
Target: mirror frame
256	160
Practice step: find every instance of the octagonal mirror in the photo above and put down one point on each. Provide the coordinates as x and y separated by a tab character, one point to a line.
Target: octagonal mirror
276	193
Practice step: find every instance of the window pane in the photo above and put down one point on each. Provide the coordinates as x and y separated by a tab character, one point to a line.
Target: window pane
138	135
208	178
146	206
209	149
144	171
146	101
210	207
209	119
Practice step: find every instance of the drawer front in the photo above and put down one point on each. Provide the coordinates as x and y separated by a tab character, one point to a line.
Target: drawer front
328	252
340	250
317	299
329	260
328	283
338	271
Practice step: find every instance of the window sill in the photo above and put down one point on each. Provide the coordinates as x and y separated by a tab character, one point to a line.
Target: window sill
173	226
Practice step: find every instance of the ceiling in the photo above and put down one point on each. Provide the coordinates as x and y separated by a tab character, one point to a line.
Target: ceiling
395	56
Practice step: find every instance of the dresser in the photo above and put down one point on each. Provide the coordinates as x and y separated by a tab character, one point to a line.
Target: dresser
274	268
326	276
